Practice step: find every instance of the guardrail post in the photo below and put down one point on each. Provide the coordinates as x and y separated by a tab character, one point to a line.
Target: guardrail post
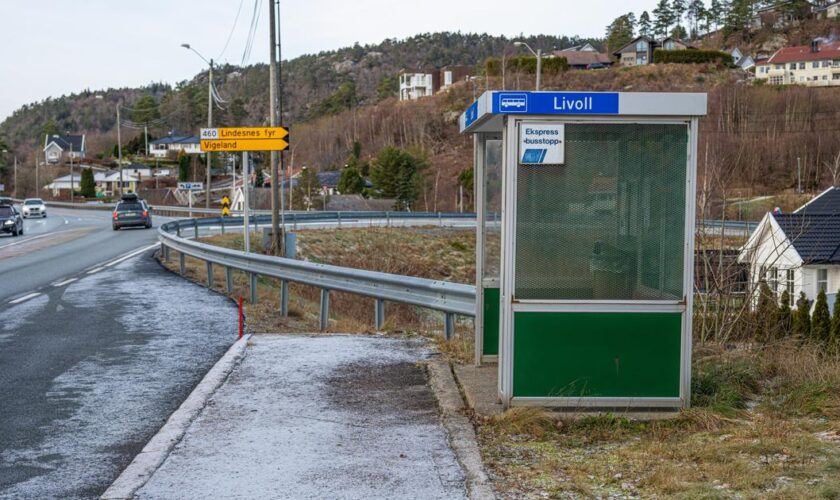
165	251
324	316
178	229
195	226
223	225
253	279
448	325
387	219
294	221
379	314
440	219
284	298
182	263
209	274
229	279
339	219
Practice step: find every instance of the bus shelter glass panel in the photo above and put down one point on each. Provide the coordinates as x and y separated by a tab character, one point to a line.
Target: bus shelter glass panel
492	244
609	224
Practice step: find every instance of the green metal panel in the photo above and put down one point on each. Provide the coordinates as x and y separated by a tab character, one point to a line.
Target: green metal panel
596	354
491	322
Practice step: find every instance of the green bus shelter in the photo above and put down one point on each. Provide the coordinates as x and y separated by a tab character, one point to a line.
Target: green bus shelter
585	205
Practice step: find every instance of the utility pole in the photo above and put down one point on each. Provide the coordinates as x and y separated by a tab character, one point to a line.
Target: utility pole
209	125
798	175
15	193
539	68
146	132
119	149
246	185
71	171
278	169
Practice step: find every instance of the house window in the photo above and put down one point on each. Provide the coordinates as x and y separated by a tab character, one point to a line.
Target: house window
789	274
773	279
776	80
835	76
826	64
815	64
792	65
780	66
801	65
825	77
822	280
641	46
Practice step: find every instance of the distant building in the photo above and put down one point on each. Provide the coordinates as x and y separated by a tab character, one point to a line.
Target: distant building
829	11
59	148
587	47
798	252
745	62
585	59
416	85
107	183
173	144
640	51
814	65
780	14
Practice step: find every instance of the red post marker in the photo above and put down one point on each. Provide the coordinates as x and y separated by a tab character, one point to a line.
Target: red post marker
240	317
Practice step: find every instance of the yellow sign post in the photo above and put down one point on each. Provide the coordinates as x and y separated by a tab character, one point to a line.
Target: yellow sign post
225	206
244	139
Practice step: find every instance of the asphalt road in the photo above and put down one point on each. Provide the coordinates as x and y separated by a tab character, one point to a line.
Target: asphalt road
98	346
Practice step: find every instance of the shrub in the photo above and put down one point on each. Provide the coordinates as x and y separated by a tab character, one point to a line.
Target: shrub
525	64
802	318
821	322
691	56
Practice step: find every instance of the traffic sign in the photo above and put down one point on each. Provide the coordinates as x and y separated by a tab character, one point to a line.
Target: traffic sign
244	139
225	206
191	186
213	134
244	145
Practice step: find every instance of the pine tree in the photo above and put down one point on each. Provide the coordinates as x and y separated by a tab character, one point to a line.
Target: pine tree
645	24
784	321
821	322
715	13
696	11
663	18
619	33
183	167
802	318
834	336
87	185
766	313
678	8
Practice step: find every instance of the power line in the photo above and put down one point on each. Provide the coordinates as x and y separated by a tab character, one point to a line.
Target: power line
232	29
249	44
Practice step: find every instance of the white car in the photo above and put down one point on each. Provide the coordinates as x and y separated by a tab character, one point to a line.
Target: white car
34	207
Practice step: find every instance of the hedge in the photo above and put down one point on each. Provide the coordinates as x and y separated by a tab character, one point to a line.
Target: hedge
523	64
691	56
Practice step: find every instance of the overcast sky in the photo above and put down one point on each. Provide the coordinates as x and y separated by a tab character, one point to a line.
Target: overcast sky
57	47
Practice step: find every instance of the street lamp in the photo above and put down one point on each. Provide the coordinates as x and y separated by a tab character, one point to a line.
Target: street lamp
303	171
538	55
209	114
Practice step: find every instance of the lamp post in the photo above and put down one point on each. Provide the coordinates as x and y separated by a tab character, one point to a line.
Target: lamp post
537	54
305	171
209	116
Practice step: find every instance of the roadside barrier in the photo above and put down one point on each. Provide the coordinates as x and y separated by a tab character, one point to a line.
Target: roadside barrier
452	299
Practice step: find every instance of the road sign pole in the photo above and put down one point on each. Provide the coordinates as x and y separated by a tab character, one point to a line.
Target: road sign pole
246	181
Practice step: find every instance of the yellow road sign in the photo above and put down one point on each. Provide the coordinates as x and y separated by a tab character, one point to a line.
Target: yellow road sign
214	134
225	201
244	145
225	211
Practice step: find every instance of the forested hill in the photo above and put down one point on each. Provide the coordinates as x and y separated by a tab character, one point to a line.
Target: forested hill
315	85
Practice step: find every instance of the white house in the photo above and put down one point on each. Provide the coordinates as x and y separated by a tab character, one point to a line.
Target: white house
813	65
417	85
800	251
174	144
107	183
58	148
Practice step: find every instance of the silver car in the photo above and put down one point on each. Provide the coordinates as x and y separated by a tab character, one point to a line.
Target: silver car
34	207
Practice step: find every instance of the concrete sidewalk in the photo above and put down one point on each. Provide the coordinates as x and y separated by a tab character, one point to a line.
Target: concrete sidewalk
317	417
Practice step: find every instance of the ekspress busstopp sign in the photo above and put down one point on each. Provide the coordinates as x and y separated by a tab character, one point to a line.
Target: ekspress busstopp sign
542	143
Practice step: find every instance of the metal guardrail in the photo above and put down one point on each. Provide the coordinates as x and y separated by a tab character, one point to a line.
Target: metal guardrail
450	298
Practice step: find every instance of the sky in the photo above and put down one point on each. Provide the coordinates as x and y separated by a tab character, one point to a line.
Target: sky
50	48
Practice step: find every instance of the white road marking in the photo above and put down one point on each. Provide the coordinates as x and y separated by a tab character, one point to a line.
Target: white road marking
65	282
132	254
93	271
24	298
27	240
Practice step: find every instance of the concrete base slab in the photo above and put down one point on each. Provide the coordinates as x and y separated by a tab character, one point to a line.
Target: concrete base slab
481	387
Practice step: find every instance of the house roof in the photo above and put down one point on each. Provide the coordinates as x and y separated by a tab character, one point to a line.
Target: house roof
677	40
815	237
587	47
633	44
803	53
584	58
77	141
825	203
178	139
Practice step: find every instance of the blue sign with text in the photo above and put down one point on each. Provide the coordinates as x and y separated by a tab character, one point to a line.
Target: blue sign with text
556	103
